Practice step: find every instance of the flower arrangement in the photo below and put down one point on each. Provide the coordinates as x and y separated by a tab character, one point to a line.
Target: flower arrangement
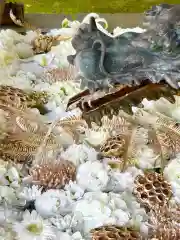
60	179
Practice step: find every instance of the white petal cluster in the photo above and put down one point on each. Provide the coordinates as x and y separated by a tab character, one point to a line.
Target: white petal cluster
92	176
172	174
79	154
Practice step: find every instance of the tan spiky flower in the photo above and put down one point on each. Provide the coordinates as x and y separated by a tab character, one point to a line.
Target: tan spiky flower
151	190
59	74
113	232
53	174
43	43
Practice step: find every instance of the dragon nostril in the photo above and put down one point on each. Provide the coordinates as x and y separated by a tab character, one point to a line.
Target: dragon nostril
70	59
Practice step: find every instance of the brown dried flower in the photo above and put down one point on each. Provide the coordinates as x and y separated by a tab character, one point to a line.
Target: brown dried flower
23	134
20	99
113	232
152	190
14	97
53	174
113	146
16	151
43	43
165	222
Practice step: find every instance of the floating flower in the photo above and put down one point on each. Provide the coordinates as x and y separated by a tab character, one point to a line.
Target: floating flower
24	50
172	174
13	175
8	194
79	154
52	202
33	227
92	176
3	179
75	190
94	213
95	138
6	234
30	193
122	181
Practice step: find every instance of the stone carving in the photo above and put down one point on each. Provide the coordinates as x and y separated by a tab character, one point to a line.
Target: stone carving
130	58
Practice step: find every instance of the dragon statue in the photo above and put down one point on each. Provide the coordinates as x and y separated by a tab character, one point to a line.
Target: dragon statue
118	72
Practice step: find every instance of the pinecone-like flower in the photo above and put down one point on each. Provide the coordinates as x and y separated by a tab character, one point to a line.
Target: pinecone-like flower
43	43
20	99
152	190
113	232
14	97
53	175
17	151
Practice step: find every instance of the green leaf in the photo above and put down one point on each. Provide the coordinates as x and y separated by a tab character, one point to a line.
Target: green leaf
65	23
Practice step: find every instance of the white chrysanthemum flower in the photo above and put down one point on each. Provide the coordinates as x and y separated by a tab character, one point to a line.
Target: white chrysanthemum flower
9	214
44	60
79	154
92	176
24	50
3	180
146	158
6	234
69	222
138	214
61	52
7	57
30	36
63	235
33	227
75	190
31	67
11	34
161	105
8	194
22	80
8	38
94	213
122	181
77	236
172	174
95	138
52	202
57	91
30	193
47	206
122	217
176	113
13	174
13	177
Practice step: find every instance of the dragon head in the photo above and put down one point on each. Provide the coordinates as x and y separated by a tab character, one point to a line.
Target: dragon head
90	45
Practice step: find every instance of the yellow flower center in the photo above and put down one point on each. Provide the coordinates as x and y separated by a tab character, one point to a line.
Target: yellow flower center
35	228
